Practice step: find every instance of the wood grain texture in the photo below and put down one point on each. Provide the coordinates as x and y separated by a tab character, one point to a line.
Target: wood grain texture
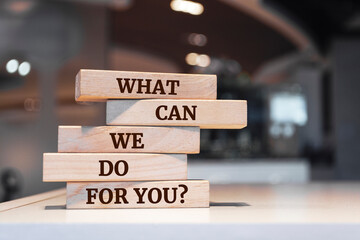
221	114
64	167
154	194
99	85
21	202
154	139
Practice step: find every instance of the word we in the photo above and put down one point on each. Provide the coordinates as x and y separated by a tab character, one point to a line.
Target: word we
118	138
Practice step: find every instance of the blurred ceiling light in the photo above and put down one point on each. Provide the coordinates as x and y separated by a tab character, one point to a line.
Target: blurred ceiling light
275	130
201	60
197	39
288	130
12	66
121	5
24	68
32	104
190	7
19	6
191	58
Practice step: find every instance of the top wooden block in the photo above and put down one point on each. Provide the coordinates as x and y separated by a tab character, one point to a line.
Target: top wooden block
98	85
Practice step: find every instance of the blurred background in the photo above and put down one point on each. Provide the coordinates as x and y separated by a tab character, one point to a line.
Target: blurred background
297	63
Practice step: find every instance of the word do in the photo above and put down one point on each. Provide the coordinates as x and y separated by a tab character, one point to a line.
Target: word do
120	171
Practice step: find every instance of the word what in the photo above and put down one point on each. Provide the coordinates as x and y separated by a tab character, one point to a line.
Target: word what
145	86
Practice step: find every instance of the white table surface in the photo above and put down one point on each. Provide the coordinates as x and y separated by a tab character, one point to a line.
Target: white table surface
303	211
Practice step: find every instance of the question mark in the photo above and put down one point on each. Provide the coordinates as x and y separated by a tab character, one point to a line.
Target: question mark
183	193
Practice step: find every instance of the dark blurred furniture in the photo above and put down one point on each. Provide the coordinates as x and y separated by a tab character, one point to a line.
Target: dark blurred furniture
334	29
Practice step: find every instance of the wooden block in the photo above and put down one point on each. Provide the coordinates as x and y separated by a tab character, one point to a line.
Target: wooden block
202	113
160	194
129	139
97	85
64	167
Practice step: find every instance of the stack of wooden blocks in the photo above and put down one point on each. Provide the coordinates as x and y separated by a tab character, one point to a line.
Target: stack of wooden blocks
139	159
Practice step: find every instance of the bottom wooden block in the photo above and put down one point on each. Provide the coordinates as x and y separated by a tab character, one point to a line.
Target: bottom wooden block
154	194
